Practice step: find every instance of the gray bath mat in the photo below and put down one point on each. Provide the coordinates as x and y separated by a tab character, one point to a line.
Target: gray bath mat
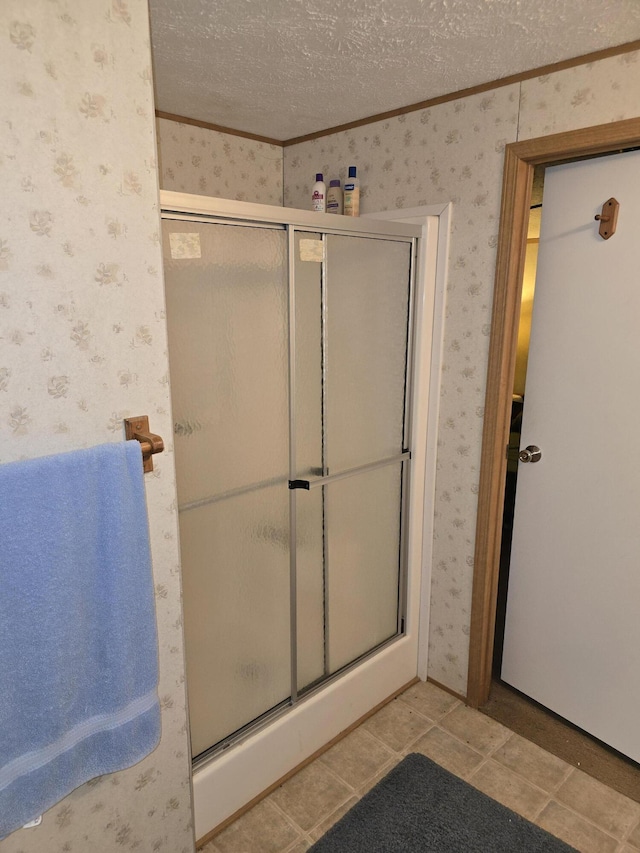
421	808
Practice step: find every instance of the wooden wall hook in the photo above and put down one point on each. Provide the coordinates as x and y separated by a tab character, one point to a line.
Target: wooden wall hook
138	428
608	218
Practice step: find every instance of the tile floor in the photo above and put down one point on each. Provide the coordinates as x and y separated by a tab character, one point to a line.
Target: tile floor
534	783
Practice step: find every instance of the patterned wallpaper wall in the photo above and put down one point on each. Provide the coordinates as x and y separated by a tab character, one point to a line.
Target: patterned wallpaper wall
595	93
454	152
83	338
206	162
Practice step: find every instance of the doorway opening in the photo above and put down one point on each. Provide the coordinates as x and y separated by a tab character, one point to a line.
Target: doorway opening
521	159
497	473
518	393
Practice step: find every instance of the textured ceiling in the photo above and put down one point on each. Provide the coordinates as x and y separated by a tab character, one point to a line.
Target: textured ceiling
285	68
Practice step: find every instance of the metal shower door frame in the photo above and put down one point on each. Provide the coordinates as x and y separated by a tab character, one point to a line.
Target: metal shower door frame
327	479
184	207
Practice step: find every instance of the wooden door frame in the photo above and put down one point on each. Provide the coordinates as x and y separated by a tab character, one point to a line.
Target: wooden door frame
520	160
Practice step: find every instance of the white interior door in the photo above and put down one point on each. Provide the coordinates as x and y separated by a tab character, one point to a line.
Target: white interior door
572	634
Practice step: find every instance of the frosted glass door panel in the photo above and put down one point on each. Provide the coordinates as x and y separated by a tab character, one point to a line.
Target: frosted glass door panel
363	532
310	588
227	318
227	322
235	555
368	285
308	348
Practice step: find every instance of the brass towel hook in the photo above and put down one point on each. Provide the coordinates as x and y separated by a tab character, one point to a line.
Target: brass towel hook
138	428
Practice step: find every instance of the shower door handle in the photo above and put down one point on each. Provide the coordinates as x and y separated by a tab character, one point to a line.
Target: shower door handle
405	456
299	484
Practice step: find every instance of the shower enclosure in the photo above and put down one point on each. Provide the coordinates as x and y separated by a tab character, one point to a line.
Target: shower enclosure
290	340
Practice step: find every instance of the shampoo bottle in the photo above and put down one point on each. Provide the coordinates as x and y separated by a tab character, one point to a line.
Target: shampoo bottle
352	194
319	195
334	197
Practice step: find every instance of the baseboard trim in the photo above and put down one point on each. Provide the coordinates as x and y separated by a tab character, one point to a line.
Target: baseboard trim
447	689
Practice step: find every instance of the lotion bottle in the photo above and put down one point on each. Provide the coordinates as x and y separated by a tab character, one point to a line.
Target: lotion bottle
319	195
352	194
334	197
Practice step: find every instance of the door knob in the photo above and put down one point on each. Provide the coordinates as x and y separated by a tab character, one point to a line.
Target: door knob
530	454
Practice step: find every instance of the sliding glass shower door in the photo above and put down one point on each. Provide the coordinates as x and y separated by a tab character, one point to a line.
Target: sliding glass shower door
289	353
351	345
226	290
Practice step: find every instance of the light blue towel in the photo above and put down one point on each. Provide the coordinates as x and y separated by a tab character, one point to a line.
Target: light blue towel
78	644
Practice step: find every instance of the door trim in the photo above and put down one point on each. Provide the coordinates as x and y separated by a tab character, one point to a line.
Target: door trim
520	160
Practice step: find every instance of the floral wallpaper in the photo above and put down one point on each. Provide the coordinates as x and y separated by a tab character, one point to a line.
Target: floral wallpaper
590	94
83	339
454	152
206	162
